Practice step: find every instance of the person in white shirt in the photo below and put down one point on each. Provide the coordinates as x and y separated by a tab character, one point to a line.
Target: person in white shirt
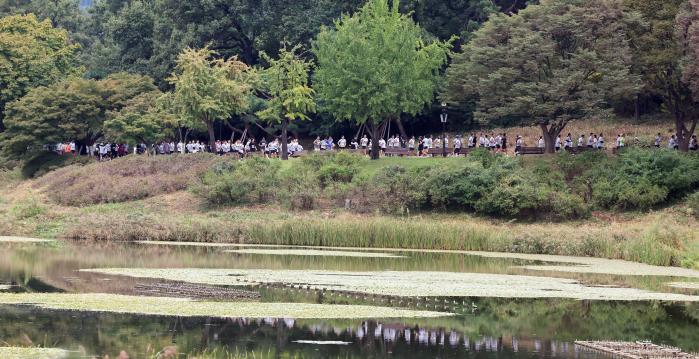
518	145
411	144
364	142
354	144
672	143
658	139
591	140
693	143
491	142
581	141
471	141
457	145
558	143
437	143
342	143
541	143
569	141
73	148
382	145
600	142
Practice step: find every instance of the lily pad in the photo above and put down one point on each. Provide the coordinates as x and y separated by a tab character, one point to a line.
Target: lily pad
315	253
406	283
32	353
188	308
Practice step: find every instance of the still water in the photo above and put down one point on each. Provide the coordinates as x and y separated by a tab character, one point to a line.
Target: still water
484	327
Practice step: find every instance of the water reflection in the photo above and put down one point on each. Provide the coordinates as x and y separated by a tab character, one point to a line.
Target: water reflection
498	328
107	334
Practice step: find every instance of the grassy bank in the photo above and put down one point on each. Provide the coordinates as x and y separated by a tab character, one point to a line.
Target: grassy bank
70	204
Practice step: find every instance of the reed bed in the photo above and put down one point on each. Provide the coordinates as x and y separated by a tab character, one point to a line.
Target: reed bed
659	239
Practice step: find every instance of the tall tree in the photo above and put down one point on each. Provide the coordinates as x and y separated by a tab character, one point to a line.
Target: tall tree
545	66
290	97
73	109
210	89
657	52
687	33
32	53
375	65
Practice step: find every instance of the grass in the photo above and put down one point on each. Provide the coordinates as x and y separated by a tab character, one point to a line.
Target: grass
125	179
113	303
405	283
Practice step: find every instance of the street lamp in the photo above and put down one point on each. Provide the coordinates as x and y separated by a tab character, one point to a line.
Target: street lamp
443	117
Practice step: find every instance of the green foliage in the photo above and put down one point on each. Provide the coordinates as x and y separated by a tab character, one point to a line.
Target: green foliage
290	96
34	54
545	66
141	120
663	54
693	203
494	186
240	182
74	109
210	89
641	179
376	64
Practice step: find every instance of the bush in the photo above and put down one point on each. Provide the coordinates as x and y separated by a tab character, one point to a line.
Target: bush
693	203
249	181
641	179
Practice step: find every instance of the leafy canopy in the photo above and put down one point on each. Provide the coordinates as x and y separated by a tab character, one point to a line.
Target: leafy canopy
73	109
208	88
550	63
286	82
376	63
33	53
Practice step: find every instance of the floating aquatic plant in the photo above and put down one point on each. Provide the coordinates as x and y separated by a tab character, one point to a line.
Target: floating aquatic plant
188	308
405	283
32	353
24	240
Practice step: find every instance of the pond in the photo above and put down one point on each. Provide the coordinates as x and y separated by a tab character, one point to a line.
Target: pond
345	303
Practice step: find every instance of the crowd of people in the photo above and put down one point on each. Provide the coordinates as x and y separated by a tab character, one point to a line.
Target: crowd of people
421	146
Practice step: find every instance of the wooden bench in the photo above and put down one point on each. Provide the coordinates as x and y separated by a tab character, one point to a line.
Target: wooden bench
401	152
531	151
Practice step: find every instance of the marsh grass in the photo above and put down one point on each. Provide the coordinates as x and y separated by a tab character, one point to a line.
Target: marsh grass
665	238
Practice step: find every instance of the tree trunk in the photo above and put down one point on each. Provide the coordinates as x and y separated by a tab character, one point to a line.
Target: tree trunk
684	135
401	129
375	136
550	135
285	152
212	135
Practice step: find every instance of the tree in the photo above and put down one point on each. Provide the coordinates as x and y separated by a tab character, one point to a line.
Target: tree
687	32
376	65
286	82
73	109
545	66
657	52
210	89
32	53
140	121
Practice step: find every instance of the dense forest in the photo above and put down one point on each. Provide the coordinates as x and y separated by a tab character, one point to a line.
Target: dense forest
128	70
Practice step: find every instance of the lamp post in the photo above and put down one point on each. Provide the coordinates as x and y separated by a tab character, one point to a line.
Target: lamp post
443	117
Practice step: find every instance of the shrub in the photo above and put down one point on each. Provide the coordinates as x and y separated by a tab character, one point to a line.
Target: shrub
252	180
693	203
641	179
